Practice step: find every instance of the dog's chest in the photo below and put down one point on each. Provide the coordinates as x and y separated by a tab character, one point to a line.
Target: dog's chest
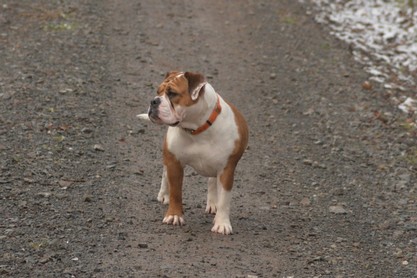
207	155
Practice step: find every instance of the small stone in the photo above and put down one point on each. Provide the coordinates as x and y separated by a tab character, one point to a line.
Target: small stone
308	162
143	245
44	194
309	112
22	204
122	236
338	192
397	234
272	76
68	271
28	180
45	259
66	90
88	199
8	231
98	147
86	130
305	202
64	183
111	166
338	209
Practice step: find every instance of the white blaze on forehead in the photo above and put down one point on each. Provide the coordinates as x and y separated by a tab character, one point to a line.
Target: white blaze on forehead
167	113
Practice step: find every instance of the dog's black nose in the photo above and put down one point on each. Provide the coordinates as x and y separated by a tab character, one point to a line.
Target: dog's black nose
155	102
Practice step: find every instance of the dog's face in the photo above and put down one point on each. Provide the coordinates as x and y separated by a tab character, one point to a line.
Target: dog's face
176	93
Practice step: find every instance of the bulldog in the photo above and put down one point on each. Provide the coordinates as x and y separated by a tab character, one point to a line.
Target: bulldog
206	133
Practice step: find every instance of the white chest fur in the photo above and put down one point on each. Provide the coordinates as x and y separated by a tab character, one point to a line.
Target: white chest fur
209	151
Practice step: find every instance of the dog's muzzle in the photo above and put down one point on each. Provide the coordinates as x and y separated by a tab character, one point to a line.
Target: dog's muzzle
162	111
154	110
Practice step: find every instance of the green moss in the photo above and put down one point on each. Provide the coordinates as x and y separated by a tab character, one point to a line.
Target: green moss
411	156
61	26
408	126
289	20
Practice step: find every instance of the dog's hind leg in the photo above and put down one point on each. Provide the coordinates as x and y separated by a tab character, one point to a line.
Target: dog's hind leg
163	195
212	196
222	223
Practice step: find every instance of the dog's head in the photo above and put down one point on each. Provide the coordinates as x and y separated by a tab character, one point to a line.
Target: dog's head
176	93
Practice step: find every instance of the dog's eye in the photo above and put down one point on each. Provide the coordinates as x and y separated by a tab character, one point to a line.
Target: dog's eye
171	94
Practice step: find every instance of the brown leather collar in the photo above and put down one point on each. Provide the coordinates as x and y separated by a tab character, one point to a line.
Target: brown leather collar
213	116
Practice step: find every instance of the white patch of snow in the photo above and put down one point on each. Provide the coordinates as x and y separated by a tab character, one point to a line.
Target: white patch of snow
382	33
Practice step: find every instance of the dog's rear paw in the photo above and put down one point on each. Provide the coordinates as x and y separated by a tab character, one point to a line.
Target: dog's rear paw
222	225
211	208
174	220
163	197
222	228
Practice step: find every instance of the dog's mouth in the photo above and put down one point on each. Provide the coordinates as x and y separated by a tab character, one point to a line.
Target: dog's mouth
163	112
156	119
174	124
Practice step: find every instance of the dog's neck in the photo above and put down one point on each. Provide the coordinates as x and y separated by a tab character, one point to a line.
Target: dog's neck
206	102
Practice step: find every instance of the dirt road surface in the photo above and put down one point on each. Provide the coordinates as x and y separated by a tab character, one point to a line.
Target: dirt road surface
327	187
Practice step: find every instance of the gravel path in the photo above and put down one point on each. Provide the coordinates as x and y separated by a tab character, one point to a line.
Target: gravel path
327	187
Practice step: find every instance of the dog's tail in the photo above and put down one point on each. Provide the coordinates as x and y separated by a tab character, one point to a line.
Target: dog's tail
143	116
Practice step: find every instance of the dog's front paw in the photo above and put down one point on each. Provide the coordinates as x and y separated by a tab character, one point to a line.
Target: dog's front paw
222	226
163	197
174	220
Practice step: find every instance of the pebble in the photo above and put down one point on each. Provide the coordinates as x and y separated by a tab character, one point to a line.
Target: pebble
305	202
44	194
308	162
88	199
45	259
122	236
143	245
315	164
86	130
98	147
338	209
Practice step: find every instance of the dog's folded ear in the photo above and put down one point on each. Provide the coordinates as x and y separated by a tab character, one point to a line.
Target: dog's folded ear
196	82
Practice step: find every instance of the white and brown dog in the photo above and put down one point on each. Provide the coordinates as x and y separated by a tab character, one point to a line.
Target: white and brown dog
206	133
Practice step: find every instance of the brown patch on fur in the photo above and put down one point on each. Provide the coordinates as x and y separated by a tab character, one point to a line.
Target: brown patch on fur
194	79
175	175
226	178
179	85
183	85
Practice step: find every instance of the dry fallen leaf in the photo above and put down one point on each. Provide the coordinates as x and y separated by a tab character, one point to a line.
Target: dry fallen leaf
367	85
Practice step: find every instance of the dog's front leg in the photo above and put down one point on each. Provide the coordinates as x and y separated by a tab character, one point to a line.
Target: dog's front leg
174	175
